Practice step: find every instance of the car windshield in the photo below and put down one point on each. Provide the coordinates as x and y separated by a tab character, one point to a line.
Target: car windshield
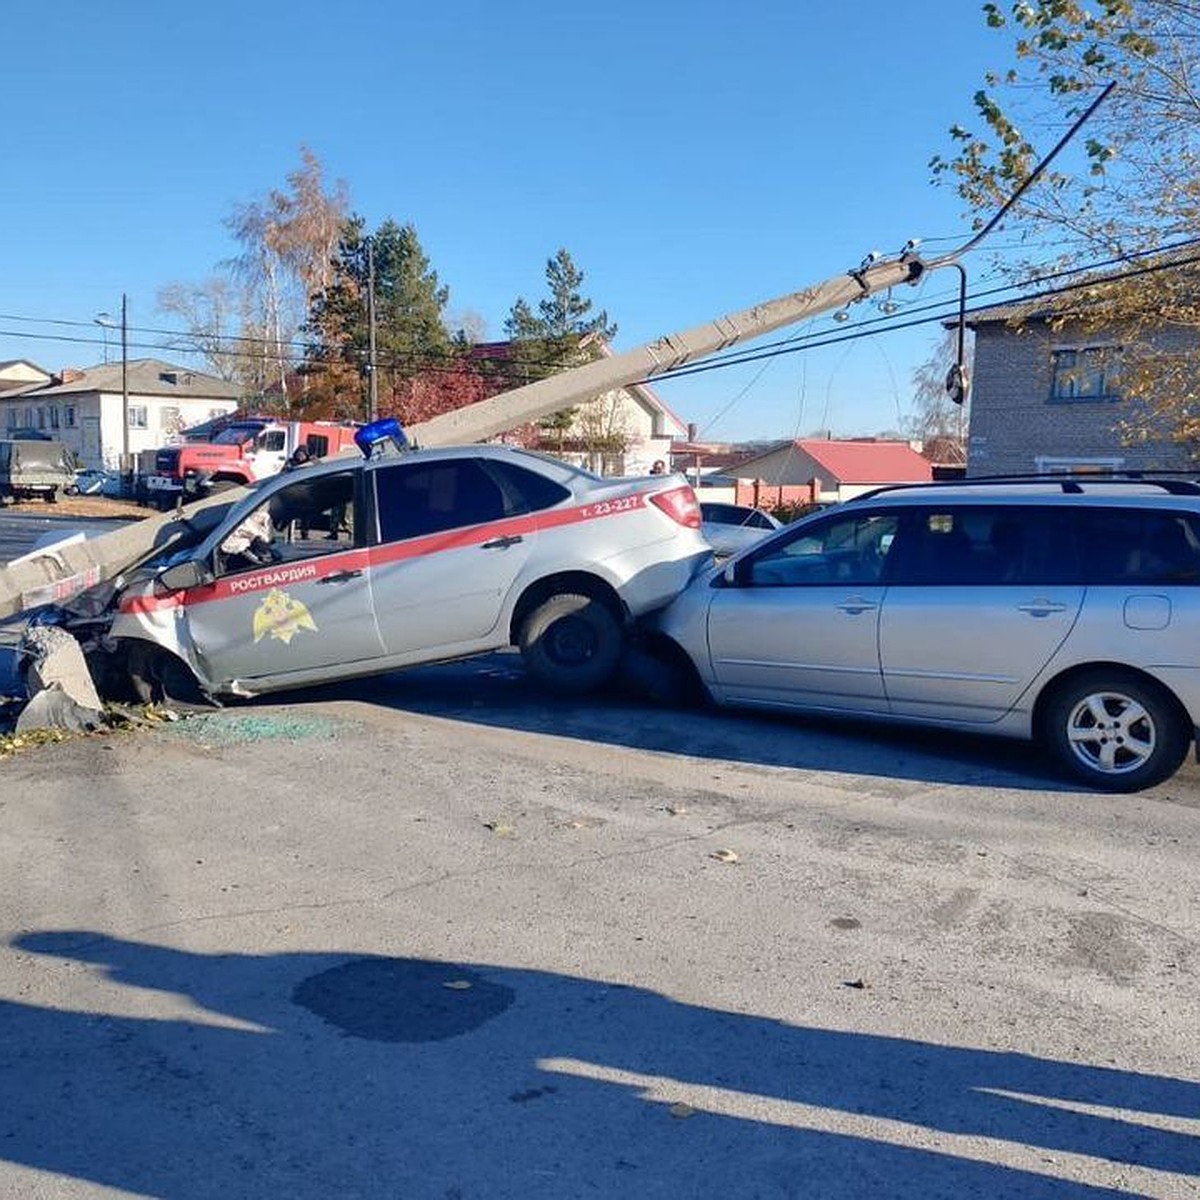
235	435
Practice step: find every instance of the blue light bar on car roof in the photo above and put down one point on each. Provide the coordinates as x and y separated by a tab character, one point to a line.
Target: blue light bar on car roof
385	436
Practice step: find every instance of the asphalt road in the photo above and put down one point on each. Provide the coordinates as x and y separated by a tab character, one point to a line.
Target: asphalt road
436	936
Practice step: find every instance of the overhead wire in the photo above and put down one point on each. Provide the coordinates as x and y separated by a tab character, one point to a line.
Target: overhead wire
935	309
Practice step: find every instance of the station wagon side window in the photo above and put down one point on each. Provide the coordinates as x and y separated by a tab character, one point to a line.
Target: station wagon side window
848	550
1122	546
987	546
414	499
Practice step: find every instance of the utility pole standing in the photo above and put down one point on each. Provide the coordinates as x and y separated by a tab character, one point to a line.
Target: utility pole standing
372	383
125	463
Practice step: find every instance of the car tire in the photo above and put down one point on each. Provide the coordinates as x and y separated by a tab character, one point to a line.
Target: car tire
571	643
1115	731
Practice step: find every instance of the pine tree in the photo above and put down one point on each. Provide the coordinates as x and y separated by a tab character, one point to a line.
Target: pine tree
410	333
558	334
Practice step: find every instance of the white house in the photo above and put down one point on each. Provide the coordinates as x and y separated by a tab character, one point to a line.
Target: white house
19	372
83	408
624	431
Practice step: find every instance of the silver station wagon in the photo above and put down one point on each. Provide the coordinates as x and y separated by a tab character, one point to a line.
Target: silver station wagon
1066	611
354	566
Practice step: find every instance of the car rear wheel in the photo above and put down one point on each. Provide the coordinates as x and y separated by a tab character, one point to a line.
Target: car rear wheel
571	643
1114	731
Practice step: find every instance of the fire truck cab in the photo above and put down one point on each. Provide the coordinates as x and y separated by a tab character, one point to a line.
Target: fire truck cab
242	452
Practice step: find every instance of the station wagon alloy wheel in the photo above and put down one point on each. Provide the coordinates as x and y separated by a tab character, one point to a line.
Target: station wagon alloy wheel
1111	732
1114	733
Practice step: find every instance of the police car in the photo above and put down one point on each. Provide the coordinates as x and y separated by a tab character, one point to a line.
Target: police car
356	566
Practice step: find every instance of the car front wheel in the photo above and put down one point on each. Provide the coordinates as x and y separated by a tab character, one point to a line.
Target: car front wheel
1115	732
571	643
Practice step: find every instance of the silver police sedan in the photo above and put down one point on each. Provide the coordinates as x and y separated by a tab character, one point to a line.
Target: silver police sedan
355	566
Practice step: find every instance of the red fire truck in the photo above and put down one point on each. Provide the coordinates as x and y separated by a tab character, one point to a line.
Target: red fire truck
247	449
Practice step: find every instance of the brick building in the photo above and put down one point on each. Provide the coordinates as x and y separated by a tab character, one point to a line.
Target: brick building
1049	399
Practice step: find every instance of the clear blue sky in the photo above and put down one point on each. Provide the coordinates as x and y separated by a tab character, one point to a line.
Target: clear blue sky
694	158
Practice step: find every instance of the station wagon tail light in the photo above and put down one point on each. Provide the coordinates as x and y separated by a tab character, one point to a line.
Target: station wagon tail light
681	505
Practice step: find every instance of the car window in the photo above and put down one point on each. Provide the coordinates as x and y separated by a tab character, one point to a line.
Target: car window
981	545
311	516
1125	546
419	498
735	514
525	490
846	550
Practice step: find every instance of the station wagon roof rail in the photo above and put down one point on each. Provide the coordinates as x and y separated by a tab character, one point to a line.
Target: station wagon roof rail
1172	483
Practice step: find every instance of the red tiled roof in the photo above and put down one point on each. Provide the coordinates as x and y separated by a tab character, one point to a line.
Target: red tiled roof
868	461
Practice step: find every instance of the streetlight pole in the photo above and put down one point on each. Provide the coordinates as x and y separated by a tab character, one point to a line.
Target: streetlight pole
106	322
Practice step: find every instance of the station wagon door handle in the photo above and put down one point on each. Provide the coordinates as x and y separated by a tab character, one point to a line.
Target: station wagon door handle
855	605
340	577
501	543
1041	608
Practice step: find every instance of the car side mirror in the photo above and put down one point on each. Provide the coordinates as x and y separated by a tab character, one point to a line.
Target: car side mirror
182	576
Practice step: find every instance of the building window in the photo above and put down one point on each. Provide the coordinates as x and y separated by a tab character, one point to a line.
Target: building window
139	418
69	416
41	418
13	421
1084	374
1047	464
54	416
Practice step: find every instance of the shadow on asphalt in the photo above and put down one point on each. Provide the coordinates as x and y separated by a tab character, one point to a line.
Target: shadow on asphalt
496	692
373	1076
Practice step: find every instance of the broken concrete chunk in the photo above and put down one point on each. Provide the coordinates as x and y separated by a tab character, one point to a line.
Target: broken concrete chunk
52	708
54	658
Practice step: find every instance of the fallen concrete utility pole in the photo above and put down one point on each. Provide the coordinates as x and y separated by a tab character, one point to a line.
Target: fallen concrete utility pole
487	418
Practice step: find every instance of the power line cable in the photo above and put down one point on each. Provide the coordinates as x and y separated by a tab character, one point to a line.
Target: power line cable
528	370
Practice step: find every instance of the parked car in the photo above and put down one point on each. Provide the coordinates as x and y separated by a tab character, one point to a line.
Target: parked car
1065	611
351	567
92	481
34	468
729	528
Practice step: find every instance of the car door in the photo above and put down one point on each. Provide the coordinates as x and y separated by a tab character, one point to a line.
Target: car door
979	600
798	626
301	605
451	539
